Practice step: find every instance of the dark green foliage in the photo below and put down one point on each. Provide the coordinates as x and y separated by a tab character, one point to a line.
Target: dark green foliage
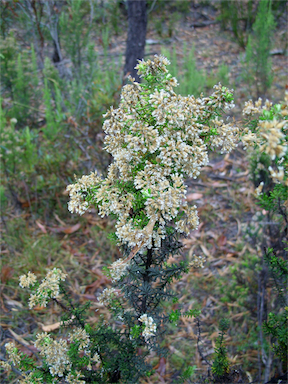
279	270
277	323
220	366
272	201
277	327
121	359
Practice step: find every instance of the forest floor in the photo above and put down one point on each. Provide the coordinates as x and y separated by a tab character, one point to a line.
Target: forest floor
227	286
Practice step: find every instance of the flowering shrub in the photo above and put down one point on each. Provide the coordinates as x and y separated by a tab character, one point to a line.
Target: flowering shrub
267	136
157	138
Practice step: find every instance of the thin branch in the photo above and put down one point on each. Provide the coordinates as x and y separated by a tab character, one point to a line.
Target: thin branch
198	341
152	7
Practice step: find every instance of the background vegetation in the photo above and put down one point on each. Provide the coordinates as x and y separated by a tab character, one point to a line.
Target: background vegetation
61	69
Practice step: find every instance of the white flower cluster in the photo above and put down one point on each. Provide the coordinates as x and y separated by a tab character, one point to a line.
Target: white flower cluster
156	138
118	269
74	378
79	191
150	326
270	136
259	189
80	336
107	295
49	287
13	354
27	280
54	352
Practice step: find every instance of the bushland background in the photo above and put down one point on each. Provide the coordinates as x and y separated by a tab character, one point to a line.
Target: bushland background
62	67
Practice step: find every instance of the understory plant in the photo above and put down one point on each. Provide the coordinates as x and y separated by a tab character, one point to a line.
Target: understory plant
267	136
220	366
157	138
257	69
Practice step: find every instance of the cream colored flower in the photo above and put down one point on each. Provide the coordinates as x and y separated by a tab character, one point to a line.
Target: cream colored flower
259	189
150	326
107	295
48	289
13	354
55	353
80	336
27	280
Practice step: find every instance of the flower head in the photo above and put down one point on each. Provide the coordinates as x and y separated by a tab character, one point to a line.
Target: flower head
27	280
150	326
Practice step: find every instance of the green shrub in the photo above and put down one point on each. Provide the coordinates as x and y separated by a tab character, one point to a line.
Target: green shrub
20	77
268	135
257	64
220	366
239	15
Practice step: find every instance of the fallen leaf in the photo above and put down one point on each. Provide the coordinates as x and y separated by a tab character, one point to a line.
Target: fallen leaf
161	366
205	250
26	203
194	196
67	230
222	240
6	273
51	327
90	297
18	337
104	280
29	350
72	229
221	165
41	226
59	220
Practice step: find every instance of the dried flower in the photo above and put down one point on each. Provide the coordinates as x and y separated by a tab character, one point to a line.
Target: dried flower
30	379
5	365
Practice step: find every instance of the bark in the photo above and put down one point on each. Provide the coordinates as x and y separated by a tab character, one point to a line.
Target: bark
137	25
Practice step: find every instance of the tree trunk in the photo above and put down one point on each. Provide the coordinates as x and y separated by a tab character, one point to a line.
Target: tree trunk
137	25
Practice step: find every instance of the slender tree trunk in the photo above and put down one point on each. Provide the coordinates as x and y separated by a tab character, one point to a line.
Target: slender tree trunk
137	25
